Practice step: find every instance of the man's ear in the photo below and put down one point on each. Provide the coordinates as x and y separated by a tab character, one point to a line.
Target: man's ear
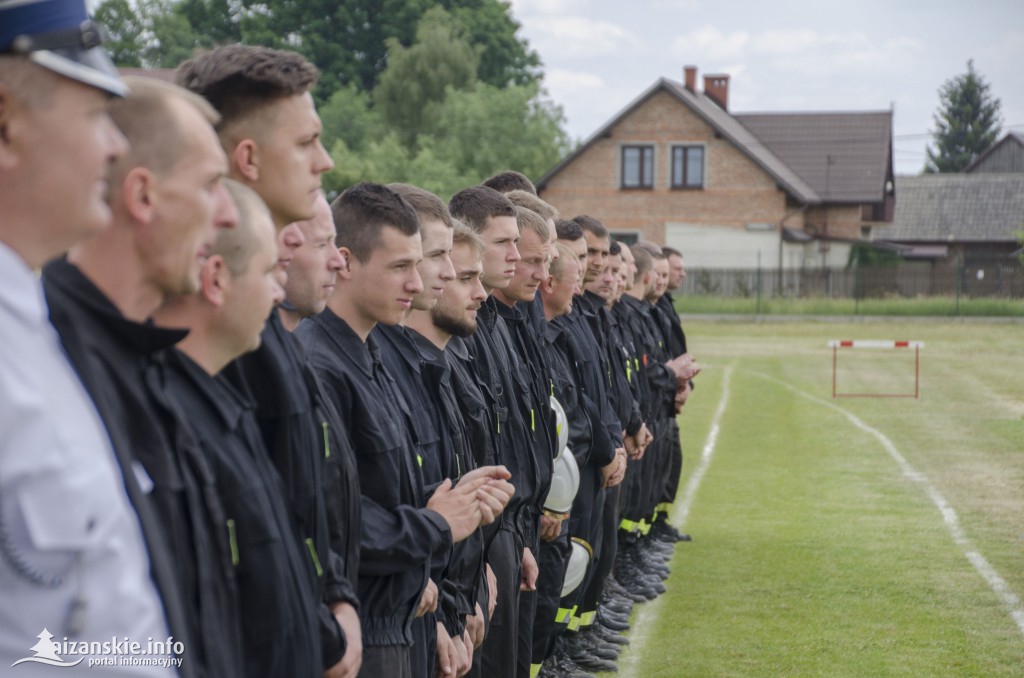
246	158
548	284
137	194
215	281
12	118
346	268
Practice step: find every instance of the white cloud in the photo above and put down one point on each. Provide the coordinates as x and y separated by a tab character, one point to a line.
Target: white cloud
710	44
587	98
580	37
556	7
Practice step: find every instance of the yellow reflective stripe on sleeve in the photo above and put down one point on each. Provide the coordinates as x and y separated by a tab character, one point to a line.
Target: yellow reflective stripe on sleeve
312	554
233	541
327	441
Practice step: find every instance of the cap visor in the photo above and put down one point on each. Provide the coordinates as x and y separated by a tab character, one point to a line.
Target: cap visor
89	66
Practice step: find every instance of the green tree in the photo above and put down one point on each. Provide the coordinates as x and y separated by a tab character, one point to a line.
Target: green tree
348	40
486	130
347	116
414	85
966	123
505	59
125	32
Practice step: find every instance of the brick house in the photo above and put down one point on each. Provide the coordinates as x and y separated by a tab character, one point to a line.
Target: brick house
786	190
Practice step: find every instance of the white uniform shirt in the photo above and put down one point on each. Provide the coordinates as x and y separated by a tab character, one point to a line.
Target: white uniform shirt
69	538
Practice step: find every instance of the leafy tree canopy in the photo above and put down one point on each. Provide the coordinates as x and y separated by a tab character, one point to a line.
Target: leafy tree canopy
966	123
348	40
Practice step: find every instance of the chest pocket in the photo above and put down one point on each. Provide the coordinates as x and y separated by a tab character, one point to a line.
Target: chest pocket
51	528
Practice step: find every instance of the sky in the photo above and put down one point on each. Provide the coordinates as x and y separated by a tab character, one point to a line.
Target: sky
784	55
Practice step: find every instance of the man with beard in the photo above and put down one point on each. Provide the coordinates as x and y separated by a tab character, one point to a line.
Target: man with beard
460	405
403	529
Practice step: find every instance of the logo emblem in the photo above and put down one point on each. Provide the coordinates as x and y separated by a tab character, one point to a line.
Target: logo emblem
46	652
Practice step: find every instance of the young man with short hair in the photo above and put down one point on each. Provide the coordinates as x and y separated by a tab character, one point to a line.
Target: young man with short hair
270	131
510	180
440	333
402	529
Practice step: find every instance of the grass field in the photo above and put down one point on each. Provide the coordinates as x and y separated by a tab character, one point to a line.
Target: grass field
889	306
847	537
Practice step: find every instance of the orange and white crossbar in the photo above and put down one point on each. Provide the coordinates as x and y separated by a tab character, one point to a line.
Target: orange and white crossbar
873	343
836	344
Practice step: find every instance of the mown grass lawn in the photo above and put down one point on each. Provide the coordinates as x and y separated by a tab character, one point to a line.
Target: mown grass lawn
814	553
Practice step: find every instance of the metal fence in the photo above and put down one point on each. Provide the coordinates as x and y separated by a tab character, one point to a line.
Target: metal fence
1002	279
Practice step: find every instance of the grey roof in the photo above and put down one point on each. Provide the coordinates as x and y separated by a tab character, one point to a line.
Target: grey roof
1002	156
844	156
958	207
723	123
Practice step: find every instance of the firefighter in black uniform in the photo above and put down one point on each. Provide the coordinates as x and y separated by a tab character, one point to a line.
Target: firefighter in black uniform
606	462
100	298
675	339
505	382
249	85
460	418
511	304
439	633
402	530
239	287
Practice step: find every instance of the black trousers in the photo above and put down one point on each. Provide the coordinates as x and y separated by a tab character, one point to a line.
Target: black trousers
668	492
423	653
553	559
498	653
604	557
386	660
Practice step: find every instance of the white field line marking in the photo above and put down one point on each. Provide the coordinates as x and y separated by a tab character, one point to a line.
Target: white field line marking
1010	600
649	613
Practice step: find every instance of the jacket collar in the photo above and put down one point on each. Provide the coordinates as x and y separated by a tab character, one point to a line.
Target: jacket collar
141	337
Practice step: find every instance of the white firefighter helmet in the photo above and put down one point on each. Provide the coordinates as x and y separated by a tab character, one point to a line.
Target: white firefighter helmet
561	423
579	560
565	481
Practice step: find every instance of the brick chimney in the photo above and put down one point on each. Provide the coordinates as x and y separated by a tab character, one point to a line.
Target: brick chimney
690	78
717	89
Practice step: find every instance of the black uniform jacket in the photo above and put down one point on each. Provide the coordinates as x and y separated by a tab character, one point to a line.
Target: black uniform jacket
398	537
504	381
607	431
297	430
566	381
167	479
278	599
526	343
466	567
650	344
676	338
624	402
